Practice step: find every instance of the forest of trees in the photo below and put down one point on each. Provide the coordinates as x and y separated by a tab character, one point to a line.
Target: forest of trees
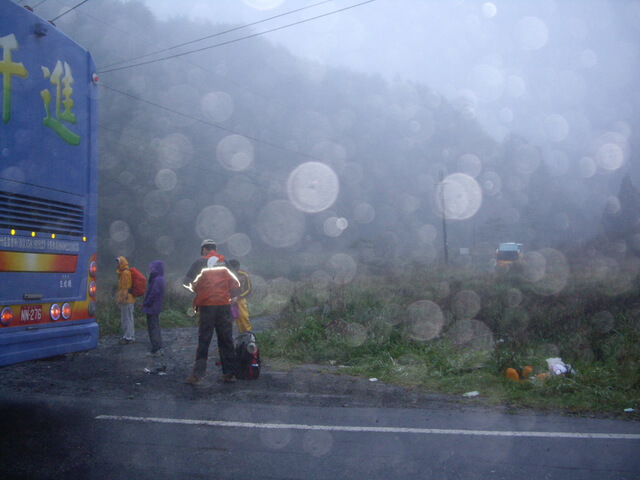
202	145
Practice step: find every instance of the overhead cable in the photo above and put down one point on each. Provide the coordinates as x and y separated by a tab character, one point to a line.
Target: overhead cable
237	39
208	70
72	8
200	120
217	34
242	176
36	6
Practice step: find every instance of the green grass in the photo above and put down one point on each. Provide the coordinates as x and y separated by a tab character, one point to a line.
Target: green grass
365	328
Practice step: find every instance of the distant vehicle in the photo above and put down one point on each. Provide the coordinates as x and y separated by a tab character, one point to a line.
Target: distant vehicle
507	254
48	190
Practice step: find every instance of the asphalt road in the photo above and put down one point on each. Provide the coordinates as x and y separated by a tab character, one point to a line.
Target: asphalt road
114	413
71	438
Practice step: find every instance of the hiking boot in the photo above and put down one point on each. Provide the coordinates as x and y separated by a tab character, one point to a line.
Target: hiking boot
228	378
126	341
192	380
157	353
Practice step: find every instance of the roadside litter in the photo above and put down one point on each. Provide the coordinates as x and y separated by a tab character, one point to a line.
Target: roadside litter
471	394
556	368
157	371
512	373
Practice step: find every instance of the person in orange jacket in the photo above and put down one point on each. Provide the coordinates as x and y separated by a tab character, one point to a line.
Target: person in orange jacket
125	300
212	283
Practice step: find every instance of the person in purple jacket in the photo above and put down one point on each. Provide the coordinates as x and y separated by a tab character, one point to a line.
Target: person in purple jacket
152	306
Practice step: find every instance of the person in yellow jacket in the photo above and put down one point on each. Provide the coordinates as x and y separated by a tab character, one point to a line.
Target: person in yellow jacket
239	296
125	299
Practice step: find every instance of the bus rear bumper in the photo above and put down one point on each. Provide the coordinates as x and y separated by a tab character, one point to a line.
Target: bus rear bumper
24	345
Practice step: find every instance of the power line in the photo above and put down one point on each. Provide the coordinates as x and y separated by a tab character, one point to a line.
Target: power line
238	39
224	78
162	107
213	124
244	176
217	34
72	8
98	20
36	6
115	28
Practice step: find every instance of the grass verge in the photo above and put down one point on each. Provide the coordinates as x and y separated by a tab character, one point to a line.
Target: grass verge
372	328
387	327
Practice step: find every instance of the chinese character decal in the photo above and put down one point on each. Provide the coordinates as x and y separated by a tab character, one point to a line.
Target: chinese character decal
7	69
62	78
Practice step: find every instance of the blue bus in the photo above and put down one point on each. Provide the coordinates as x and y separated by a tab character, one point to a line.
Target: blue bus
48	190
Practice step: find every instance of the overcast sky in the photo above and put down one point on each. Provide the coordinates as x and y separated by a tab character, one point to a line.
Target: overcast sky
563	74
557	72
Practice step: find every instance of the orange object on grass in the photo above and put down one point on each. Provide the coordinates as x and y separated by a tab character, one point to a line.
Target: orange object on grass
512	374
526	371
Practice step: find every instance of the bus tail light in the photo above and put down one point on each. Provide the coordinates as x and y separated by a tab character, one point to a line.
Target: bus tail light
93	269
92	308
93	288
66	311
6	316
54	312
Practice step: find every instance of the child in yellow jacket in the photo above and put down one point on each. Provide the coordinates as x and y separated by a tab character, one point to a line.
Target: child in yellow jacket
239	297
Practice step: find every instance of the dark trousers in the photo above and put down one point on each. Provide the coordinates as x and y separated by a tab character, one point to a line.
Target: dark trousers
153	327
218	318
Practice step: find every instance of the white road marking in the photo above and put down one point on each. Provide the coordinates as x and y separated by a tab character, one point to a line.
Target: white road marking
339	428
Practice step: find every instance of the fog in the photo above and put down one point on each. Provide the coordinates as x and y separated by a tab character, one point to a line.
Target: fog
334	140
540	68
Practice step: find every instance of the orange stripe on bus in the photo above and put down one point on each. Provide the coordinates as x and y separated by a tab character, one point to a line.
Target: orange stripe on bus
37	262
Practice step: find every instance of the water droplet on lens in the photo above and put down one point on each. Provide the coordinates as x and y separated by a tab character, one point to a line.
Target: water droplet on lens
313	187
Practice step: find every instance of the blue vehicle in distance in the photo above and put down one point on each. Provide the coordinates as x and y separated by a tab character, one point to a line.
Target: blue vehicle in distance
507	255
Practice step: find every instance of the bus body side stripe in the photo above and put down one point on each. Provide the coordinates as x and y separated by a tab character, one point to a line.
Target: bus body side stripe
37	262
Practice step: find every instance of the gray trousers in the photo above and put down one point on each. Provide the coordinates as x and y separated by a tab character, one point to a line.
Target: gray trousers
126	320
153	327
218	318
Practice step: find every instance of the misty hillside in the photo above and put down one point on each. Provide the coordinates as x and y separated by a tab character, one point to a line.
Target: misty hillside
287	163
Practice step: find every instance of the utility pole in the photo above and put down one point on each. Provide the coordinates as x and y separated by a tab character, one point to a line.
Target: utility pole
444	221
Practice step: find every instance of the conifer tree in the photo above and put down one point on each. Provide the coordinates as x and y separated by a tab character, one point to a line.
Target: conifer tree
623	220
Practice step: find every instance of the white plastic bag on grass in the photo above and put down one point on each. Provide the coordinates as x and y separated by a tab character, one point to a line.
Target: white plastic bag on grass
558	367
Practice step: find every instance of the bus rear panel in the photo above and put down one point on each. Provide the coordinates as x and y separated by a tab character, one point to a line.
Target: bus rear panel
48	190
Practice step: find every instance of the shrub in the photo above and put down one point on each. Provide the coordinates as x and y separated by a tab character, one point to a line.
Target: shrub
364	325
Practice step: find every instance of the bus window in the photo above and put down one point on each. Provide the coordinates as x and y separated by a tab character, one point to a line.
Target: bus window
48	191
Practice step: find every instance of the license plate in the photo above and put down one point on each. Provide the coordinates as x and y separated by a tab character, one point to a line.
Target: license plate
30	313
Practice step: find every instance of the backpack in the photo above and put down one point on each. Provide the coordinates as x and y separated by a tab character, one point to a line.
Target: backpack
248	356
138	283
